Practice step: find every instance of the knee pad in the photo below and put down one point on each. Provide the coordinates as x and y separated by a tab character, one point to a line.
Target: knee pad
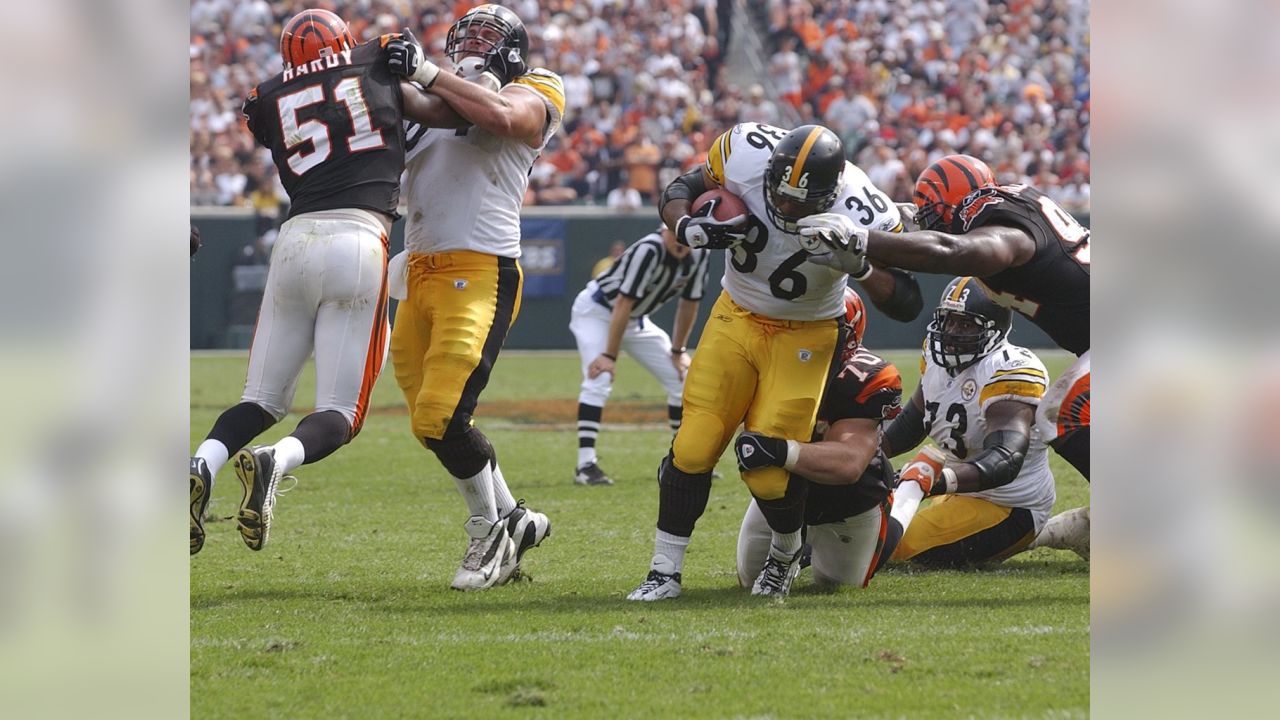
463	454
767	483
785	514
699	443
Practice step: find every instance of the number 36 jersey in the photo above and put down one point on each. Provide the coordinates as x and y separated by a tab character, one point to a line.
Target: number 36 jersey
955	410
768	273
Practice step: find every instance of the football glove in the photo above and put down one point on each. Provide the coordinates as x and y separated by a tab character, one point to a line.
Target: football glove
702	230
507	65
836	231
406	59
857	266
757	451
926	470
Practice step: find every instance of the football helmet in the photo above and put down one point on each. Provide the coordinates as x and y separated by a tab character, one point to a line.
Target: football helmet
855	319
944	185
313	34
803	175
966	326
485	31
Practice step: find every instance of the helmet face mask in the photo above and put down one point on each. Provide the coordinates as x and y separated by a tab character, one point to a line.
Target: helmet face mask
966	327
803	176
485	31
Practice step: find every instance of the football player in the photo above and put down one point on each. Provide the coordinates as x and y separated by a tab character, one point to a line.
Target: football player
846	507
333	122
1026	252
989	472
774	333
462	243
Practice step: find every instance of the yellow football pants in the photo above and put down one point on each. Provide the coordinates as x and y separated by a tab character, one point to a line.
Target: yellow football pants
959	529
448	332
770	373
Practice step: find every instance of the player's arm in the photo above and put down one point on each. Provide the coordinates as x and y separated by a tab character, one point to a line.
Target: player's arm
678	196
894	292
606	362
907	430
999	462
429	110
981	252
838	459
517	113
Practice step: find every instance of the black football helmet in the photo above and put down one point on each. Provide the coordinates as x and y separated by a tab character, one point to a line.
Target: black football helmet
966	326
488	31
803	175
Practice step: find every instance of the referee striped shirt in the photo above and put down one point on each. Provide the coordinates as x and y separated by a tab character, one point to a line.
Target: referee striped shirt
650	275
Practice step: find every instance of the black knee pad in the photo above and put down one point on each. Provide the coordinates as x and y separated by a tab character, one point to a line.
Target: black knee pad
682	498
786	514
463	454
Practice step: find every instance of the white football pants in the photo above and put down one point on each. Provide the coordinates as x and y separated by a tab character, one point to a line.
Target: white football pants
643	340
326	291
843	552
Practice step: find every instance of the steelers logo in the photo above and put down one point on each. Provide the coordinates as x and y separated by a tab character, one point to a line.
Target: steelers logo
968	389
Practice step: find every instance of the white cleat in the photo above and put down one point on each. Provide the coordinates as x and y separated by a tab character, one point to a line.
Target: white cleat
775	579
657	586
490	555
527	529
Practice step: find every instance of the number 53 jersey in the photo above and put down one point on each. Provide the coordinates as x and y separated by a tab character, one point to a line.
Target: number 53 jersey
768	273
955	417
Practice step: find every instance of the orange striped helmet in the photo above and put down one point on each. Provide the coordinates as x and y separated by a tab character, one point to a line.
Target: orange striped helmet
855	319
311	35
944	184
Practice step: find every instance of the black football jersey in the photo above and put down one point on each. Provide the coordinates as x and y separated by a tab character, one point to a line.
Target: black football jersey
334	130
1052	288
868	386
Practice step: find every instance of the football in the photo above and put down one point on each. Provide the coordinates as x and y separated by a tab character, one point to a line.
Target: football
730	205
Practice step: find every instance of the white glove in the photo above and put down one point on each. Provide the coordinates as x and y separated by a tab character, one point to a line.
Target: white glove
702	230
856	266
837	231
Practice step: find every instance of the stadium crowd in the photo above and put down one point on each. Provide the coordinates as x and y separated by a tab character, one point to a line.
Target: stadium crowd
647	87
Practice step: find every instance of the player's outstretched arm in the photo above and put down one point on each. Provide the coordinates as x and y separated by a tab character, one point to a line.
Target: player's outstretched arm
981	252
517	114
838	459
894	292
429	110
677	197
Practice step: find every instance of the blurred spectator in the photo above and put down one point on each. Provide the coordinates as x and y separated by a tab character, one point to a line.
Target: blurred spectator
604	263
624	197
758	109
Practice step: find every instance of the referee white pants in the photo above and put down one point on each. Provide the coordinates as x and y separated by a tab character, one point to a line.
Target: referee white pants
326	291
643	340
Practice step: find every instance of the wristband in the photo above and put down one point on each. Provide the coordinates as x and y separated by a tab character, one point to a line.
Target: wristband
679	350
865	273
793	455
614	358
426	73
948	481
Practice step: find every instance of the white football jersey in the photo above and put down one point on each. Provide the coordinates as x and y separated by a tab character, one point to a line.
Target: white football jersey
768	273
465	187
954	416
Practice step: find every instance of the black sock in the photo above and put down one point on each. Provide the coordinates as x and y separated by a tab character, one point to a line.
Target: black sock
588	424
682	498
321	433
239	424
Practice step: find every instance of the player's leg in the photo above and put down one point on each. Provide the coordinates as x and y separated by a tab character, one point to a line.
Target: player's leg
1063	415
795	364
589	324
650	345
958	530
848	552
753	544
717	391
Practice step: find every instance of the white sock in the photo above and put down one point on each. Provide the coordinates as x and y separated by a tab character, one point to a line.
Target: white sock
586	455
784	546
501	493
214	454
477	491
668	552
289	453
906	500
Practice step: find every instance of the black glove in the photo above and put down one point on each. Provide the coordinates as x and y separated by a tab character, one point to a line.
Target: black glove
702	230
406	58
757	451
507	64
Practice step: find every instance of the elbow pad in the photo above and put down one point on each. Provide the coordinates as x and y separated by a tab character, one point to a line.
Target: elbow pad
906	431
686	187
1001	459
906	302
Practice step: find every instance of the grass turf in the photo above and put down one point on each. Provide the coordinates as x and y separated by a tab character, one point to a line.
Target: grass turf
347	613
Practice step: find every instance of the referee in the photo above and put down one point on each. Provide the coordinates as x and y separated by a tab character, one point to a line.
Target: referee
612	314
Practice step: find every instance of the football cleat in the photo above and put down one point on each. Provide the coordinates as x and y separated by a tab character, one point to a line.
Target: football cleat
259	476
775	579
657	586
491	555
527	528
591	474
201	489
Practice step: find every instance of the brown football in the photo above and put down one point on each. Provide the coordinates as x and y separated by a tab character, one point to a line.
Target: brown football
730	204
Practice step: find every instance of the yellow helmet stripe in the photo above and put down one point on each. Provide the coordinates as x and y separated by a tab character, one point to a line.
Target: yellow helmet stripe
955	294
797	170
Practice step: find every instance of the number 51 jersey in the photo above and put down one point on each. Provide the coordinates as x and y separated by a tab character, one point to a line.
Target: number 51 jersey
334	130
768	273
955	418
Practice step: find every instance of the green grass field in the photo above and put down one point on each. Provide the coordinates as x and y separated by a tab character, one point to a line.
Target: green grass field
347	613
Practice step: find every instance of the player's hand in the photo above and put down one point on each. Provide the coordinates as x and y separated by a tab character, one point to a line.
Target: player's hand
908	212
857	266
925	469
836	231
703	230
681	362
757	451
602	364
406	58
507	65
